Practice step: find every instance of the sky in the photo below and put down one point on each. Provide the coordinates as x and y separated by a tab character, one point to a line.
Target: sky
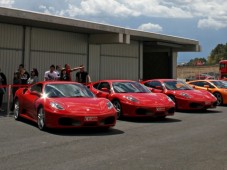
202	20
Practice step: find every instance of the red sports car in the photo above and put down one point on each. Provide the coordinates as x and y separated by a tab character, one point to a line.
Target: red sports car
184	96
130	98
58	104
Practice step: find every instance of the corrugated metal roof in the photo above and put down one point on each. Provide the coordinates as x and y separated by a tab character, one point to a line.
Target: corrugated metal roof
21	17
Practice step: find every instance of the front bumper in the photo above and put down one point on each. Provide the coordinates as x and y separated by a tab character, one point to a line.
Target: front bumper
185	104
147	111
63	120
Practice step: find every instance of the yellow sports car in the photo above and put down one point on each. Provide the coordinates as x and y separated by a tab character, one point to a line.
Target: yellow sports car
217	87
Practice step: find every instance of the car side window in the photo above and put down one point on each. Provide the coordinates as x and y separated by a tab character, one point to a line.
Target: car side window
104	85
202	84
36	88
193	83
153	84
96	85
210	85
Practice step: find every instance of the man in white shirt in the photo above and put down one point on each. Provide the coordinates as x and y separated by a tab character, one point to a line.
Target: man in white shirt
51	75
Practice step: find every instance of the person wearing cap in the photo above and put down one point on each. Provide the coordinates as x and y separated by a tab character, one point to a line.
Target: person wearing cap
82	76
34	76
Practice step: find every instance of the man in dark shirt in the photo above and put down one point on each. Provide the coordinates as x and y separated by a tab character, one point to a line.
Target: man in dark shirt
82	76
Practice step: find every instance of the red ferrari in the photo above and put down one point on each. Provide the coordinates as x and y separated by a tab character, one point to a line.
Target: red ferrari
61	104
184	96
130	98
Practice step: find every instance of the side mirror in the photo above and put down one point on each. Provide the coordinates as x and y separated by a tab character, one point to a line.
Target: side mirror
104	89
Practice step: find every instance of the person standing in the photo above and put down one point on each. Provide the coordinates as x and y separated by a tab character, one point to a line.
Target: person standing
82	76
64	76
34	76
24	75
51	74
58	70
3	82
15	87
69	70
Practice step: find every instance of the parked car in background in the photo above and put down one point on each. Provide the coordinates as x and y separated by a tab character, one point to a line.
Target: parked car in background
131	98
184	96
204	76
217	87
58	104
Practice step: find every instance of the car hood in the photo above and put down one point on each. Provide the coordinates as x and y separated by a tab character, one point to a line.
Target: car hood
83	105
157	99
196	94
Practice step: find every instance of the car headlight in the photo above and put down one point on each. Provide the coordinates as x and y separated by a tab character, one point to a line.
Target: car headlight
109	105
56	106
185	95
132	99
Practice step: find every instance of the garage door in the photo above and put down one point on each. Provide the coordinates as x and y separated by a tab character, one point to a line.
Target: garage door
56	47
120	61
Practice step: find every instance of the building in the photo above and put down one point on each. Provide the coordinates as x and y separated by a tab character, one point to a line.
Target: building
108	52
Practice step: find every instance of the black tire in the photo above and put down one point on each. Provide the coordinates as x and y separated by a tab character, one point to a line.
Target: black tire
219	98
118	107
16	110
41	119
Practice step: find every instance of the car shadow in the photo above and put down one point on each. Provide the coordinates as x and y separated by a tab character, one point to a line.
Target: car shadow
199	111
83	131
150	120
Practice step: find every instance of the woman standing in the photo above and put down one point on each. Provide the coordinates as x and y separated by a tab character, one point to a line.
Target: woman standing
34	76
64	76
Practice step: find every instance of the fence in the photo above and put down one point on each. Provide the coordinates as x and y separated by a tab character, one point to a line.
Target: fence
8	95
197	72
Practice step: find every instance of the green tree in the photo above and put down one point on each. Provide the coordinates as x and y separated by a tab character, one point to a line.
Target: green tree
218	53
194	61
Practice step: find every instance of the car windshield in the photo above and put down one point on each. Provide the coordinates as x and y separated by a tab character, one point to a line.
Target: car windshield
176	85
129	87
67	90
220	84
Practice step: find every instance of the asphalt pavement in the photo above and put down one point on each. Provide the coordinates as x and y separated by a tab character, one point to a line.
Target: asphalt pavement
185	141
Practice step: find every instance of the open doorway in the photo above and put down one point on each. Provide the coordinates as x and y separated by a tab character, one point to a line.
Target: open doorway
157	65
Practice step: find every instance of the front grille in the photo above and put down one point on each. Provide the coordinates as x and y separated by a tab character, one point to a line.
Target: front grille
108	120
65	121
142	111
196	105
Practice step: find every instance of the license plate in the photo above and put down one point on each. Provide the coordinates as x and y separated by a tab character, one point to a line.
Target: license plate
160	109
90	118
